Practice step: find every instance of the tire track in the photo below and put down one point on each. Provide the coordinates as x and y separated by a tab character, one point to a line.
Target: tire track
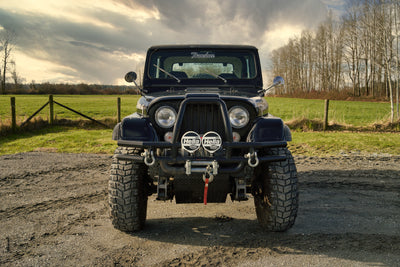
71	226
26	248
53	204
276	244
28	174
352	185
378	180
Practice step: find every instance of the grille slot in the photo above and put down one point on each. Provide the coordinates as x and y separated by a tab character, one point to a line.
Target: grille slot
202	118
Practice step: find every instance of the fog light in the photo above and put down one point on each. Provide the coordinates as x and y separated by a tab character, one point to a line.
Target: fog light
236	137
211	141
168	137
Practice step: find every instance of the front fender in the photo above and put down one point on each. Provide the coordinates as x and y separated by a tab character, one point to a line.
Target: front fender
133	128
269	129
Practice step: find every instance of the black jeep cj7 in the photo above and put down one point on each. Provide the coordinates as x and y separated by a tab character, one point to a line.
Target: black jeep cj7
202	131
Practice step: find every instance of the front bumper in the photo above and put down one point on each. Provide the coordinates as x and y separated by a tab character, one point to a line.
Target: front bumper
226	162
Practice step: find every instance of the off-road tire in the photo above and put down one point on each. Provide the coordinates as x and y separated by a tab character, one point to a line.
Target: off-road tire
128	192
276	192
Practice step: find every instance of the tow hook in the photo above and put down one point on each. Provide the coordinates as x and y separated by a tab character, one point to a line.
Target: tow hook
253	159
208	174
149	159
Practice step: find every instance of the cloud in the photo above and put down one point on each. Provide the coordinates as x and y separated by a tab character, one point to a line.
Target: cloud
98	42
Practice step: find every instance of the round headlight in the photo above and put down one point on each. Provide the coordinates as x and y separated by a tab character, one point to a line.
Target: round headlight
238	116
165	116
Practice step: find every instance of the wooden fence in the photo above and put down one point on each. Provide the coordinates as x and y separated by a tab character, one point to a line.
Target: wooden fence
51	104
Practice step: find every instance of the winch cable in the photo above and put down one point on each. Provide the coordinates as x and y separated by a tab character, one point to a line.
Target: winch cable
205	190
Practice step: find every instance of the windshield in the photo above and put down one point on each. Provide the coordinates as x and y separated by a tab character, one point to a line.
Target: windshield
202	64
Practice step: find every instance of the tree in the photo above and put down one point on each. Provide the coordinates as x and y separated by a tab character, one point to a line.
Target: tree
16	78
352	51
361	51
397	34
387	51
7	42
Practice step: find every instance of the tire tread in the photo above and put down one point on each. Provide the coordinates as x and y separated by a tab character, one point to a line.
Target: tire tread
283	193
127	192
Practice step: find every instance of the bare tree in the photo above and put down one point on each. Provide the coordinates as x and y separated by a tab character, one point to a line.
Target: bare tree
352	49
396	6
396	23
385	26
7	42
361	51
16	78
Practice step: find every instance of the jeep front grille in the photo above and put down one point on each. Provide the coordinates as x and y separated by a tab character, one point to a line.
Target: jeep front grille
202	118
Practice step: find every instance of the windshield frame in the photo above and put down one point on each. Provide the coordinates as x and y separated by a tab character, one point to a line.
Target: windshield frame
154	85
196	62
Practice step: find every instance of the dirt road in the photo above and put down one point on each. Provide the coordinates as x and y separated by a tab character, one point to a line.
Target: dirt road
53	211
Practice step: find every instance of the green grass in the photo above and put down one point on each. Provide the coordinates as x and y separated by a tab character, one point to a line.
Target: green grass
100	107
74	140
354	113
59	139
95	106
335	143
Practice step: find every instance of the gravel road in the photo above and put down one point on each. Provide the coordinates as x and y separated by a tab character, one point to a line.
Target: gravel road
53	211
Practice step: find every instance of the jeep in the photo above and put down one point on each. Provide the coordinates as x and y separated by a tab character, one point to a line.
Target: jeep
201	132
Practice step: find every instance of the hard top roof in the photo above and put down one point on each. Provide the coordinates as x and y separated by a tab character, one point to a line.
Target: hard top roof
203	46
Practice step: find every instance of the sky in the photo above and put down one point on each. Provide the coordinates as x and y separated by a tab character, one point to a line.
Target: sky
75	41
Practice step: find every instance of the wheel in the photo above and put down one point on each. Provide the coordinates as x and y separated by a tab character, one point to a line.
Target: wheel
128	192
276	193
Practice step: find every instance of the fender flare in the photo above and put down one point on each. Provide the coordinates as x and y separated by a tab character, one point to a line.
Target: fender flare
269	129
133	128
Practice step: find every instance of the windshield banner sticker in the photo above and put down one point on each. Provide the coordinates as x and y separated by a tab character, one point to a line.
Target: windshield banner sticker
202	55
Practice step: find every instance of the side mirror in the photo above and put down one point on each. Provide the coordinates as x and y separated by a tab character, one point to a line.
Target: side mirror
130	76
278	80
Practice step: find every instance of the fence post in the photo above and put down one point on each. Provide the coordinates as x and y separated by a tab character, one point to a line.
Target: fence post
13	115
119	109
325	126
51	113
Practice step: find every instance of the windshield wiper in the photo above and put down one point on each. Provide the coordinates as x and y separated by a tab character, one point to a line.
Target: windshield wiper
217	76
166	72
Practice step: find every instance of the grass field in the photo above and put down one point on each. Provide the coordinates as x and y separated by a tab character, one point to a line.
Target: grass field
100	107
95	106
339	143
354	113
74	140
